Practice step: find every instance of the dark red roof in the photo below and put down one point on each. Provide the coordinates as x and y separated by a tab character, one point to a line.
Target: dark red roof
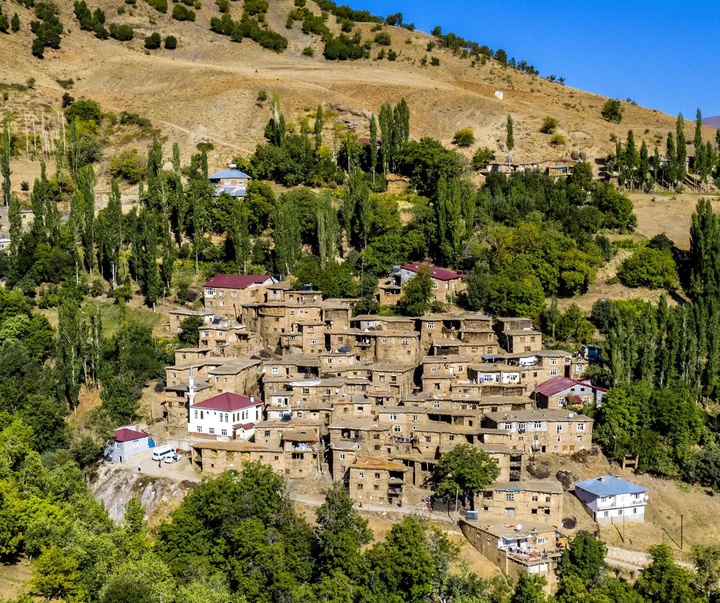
439	273
236	281
558	384
245	426
227	402
128	435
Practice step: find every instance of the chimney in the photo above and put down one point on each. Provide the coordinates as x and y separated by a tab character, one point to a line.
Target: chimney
252	399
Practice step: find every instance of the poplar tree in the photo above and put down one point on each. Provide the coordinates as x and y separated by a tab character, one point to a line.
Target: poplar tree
643	164
386	130
319	123
176	158
681	149
287	236
356	209
373	146
113	231
5	153
38	203
92	361
328	230
70	351
86	187
152	284
168	257
509	134
238	235
671	163
15	220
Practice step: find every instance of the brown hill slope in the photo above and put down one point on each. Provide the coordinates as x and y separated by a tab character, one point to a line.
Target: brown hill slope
207	88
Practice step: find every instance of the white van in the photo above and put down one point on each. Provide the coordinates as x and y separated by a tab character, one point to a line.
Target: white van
161	452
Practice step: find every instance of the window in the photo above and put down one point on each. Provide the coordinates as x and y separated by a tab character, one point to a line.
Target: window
210	292
274	370
327	392
361	474
605	514
436	404
428	439
341	456
397	428
634	510
267	433
393	417
329	360
222	304
541	540
404	341
431	325
558	428
461	368
360	486
306	390
313	342
376	487
196	414
384	340
507	426
509	496
553	372
603	499
223	432
451	437
415	418
199	428
377	476
212	430
580	427
553	361
433	369
226	417
382	378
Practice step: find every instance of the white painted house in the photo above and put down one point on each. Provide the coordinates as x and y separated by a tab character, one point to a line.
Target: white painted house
612	499
226	415
127	442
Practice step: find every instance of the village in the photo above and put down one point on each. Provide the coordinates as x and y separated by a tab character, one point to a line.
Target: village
290	379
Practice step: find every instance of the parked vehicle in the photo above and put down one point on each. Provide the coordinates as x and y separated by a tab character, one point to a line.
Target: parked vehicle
162	452
172	458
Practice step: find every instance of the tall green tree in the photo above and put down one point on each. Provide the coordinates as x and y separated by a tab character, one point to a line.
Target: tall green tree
465	471
509	133
681	151
5	155
386	121
112	240
319	124
328	230
287	236
86	187
373	146
417	293
239	235
70	351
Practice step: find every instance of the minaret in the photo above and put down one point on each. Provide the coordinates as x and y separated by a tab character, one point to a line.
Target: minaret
191	391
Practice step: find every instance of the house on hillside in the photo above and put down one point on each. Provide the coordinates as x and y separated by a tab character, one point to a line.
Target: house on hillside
230	181
225	415
224	294
447	285
609	499
127	443
560	392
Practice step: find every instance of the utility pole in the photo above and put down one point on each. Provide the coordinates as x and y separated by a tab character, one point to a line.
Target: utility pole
457	492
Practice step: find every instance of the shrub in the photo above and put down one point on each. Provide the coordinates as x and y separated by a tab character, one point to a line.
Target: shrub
153	41
127	165
612	111
67	100
159	5
465	137
223	5
84	110
4	24
262	96
557	140
170	42
549	125
122	33
392	55
649	267
383	39
180	13
15	23
308	51
435	62
24	186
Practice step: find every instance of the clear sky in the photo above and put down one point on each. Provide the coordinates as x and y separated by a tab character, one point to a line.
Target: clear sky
663	54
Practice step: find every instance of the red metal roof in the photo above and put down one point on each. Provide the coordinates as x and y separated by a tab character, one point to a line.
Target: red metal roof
438	273
558	384
245	426
227	402
236	281
128	435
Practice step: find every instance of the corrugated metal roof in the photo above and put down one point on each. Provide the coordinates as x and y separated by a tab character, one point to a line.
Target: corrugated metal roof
609	485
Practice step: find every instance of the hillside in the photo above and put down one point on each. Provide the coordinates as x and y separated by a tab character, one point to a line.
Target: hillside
206	89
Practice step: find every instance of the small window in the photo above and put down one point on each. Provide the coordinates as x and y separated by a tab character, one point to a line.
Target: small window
581	426
377	476
341	456
431	325
199	428
397	428
223	432
541	540
404	341
509	496
393	417
361	474
274	370
384	340
212	430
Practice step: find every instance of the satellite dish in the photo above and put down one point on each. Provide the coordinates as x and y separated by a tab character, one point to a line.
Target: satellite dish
518	527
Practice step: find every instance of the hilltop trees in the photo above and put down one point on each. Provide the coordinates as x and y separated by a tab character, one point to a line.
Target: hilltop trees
612	111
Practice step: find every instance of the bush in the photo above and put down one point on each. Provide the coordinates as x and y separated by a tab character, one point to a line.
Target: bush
153	41
557	140
649	267
128	166
159	5
465	137
122	33
223	5
84	110
392	55
482	157
612	111
383	39
549	125
435	62
180	13
170	42
308	51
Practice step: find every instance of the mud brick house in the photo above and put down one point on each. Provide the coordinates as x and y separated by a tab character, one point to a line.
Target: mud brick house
177	315
552	431
523	501
224	294
376	480
439	372
446	285
214	457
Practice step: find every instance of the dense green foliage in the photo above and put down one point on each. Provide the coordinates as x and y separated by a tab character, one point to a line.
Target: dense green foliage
648	267
612	111
464	470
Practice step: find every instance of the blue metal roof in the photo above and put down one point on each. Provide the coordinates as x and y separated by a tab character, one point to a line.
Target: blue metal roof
608	485
229	173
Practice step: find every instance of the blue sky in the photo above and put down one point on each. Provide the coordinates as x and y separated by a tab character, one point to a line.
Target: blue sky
663	54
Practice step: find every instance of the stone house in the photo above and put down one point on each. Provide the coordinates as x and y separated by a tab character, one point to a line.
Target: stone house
447	285
215	457
523	501
224	294
521	340
376	481
397	347
439	372
551	431
177	315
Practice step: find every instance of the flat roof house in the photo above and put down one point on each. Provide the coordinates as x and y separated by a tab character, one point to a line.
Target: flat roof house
230	181
611	499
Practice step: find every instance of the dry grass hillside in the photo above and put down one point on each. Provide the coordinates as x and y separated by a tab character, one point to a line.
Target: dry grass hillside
206	90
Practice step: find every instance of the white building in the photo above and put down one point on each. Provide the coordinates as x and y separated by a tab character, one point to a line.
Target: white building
612	499
127	442
225	415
